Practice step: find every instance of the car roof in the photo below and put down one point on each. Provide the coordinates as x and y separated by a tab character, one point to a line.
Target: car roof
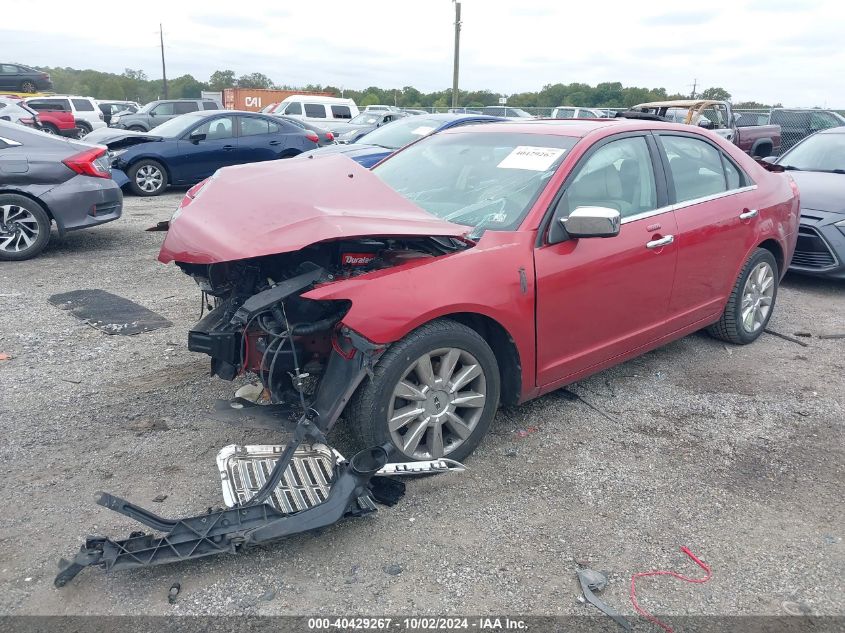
572	127
834	130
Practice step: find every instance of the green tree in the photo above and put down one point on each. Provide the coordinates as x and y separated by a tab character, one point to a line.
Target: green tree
255	80
717	94
221	79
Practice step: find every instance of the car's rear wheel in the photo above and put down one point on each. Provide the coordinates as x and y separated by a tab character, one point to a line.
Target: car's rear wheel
83	129
433	394
24	227
751	302
147	178
28	86
136	128
49	128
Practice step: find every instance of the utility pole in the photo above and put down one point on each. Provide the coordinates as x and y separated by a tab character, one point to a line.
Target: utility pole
457	54
163	70
694	86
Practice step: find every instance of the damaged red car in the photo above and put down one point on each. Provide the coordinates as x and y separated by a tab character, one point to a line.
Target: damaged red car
483	265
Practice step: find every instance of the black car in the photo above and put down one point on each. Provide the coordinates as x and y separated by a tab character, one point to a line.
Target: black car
817	164
20	78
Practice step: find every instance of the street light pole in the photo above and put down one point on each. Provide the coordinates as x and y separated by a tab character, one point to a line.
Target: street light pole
457	54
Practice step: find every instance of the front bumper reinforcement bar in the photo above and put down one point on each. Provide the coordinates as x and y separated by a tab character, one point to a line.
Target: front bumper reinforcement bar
224	531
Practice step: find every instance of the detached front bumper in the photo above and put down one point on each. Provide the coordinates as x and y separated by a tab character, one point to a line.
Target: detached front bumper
820	250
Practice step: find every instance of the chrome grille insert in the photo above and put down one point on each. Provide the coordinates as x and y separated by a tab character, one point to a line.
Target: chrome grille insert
306	482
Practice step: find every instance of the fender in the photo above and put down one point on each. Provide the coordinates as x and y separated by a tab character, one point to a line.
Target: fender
448	285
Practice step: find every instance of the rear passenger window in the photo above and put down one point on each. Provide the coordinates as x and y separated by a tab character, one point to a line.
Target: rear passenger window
315	110
618	176
83	105
253	127
163	109
294	108
183	107
341	112
209	105
696	167
50	105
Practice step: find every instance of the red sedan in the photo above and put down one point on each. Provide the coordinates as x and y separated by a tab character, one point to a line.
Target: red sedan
483	265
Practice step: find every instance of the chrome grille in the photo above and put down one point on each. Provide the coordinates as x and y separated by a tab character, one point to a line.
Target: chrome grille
306	482
812	251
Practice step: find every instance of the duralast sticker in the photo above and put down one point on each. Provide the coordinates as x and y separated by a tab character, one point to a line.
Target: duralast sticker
531	157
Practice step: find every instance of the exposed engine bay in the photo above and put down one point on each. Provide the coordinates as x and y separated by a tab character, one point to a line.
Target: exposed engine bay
258	323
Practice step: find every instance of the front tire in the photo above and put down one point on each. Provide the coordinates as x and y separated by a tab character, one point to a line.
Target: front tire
135	128
432	394
752	301
24	227
147	178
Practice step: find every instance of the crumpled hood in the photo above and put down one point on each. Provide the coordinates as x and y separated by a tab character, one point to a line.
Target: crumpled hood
114	138
821	191
282	206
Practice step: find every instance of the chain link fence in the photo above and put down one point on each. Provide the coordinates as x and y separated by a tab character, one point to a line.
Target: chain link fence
795	123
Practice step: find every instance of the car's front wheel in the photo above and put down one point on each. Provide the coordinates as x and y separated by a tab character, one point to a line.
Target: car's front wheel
147	178
136	128
751	302
24	227
432	394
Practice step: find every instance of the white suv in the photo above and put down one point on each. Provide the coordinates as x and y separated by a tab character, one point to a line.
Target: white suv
85	111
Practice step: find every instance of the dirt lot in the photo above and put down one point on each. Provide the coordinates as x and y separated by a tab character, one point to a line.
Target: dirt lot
736	452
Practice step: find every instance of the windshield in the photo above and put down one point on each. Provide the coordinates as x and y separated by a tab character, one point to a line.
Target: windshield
366	118
820	152
487	180
400	133
177	126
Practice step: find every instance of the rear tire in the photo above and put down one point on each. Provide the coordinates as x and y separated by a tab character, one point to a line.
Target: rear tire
29	87
84	128
49	128
136	128
454	414
752	301
147	178
24	227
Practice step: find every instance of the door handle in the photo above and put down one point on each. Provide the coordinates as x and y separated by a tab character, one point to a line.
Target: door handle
228	148
275	142
747	215
663	241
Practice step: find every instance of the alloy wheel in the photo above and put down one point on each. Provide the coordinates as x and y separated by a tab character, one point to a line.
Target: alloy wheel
149	178
437	403
18	228
757	297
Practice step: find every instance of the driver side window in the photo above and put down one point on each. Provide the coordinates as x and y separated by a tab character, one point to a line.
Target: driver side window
617	176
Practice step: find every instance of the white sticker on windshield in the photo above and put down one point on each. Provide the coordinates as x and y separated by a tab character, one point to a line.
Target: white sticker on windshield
530	157
422	131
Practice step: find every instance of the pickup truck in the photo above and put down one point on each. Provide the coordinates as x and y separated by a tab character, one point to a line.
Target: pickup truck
758	141
796	124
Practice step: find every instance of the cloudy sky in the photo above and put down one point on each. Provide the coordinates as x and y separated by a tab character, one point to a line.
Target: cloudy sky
787	51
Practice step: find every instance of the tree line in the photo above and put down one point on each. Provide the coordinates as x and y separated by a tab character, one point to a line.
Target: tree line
135	85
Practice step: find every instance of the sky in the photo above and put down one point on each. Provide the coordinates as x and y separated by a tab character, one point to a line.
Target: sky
786	51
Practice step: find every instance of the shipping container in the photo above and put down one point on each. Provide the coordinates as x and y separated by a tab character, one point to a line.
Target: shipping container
255	99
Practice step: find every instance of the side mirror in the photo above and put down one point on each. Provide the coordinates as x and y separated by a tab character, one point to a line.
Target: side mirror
707	124
769	159
152	113
196	137
592	222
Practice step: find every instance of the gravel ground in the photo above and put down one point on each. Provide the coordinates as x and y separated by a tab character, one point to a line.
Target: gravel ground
735	452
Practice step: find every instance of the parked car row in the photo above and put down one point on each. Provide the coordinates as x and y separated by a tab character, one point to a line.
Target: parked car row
795	124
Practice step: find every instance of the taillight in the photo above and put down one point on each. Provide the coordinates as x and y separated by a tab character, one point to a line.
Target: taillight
193	191
329	136
312	136
91	162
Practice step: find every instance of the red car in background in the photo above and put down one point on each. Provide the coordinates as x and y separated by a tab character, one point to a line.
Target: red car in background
52	122
482	265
